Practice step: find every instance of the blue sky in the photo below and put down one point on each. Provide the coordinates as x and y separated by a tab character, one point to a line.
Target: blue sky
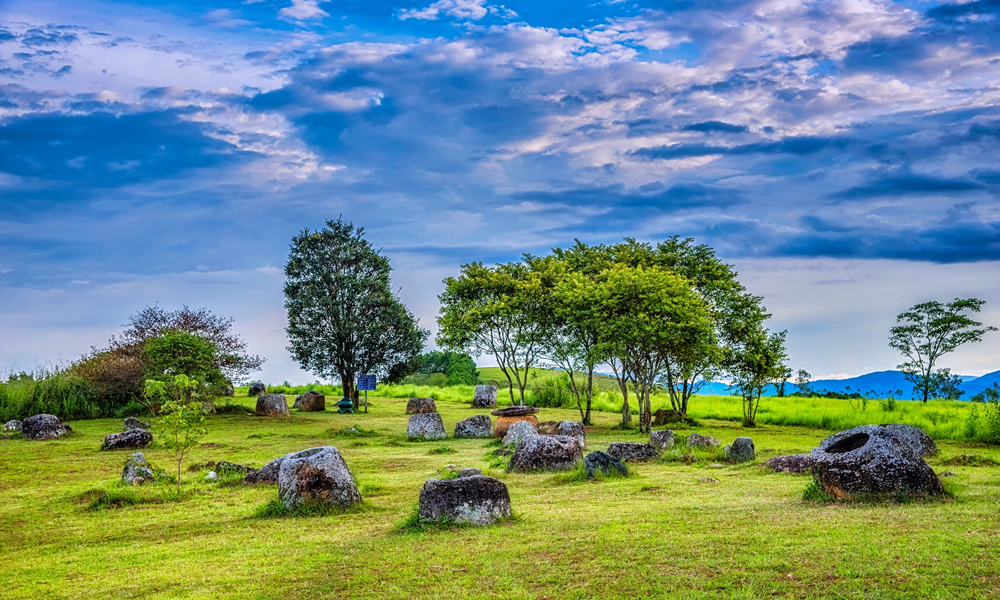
842	154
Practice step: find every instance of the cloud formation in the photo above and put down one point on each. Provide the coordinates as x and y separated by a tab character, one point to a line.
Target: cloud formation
458	130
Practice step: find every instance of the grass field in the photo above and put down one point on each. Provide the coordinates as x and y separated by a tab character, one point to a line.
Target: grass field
659	533
942	419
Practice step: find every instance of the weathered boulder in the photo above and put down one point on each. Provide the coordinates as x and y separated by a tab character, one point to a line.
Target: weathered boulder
427	426
133	439
741	451
208	407
661	440
310	402
272	405
604	463
479	426
417	406
791	463
546	453
912	435
266	474
137	471
515	411
517	432
469	472
548	427
702	441
43	427
224	467
317	475
666	416
133	423
212	476
12	426
573	429
256	389
476	500
504	423
485	397
632	451
879	462
228	390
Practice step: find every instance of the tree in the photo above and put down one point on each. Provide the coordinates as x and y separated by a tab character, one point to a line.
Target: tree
343	317
179	429
497	311
757	362
947	386
231	357
786	374
927	331
458	367
182	353
803	385
647	315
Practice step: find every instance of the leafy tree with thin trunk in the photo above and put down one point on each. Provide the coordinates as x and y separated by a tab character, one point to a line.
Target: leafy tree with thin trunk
646	315
179	428
343	317
928	331
498	311
757	362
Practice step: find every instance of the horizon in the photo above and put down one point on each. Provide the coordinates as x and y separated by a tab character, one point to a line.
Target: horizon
840	154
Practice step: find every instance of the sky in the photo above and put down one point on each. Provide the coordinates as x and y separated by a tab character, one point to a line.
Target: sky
841	154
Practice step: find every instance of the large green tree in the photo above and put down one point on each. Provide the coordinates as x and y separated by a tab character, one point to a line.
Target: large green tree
343	317
928	331
646	316
496	311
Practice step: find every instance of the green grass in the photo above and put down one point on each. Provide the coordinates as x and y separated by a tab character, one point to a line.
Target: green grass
942	419
658	533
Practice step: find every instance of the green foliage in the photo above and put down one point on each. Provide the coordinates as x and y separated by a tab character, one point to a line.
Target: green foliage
756	361
354	431
814	492
183	353
230	351
928	331
495	311
458	368
343	317
59	392
119	496
443	450
179	429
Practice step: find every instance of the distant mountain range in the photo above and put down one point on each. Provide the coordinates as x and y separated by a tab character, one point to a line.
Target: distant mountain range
879	382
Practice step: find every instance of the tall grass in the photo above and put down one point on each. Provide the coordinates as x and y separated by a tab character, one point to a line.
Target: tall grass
55	392
453	393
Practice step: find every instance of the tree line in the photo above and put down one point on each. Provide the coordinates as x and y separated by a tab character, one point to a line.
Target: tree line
671	314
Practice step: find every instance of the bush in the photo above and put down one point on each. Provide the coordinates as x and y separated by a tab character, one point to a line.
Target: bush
60	393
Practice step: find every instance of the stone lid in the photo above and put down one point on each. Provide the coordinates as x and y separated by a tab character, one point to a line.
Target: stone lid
515	411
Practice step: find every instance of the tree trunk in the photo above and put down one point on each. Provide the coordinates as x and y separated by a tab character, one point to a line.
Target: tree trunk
590	394
350	388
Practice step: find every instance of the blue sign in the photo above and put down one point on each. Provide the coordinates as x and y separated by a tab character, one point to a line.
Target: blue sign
366	383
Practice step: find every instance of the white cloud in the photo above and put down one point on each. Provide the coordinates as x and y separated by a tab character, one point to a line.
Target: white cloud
303	10
460	9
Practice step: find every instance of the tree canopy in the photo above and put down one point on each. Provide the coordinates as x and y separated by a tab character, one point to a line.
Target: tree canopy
928	331
343	317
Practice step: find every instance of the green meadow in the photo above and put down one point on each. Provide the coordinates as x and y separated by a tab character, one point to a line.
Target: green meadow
670	530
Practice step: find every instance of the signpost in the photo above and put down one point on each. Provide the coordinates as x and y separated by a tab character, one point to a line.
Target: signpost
365	383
